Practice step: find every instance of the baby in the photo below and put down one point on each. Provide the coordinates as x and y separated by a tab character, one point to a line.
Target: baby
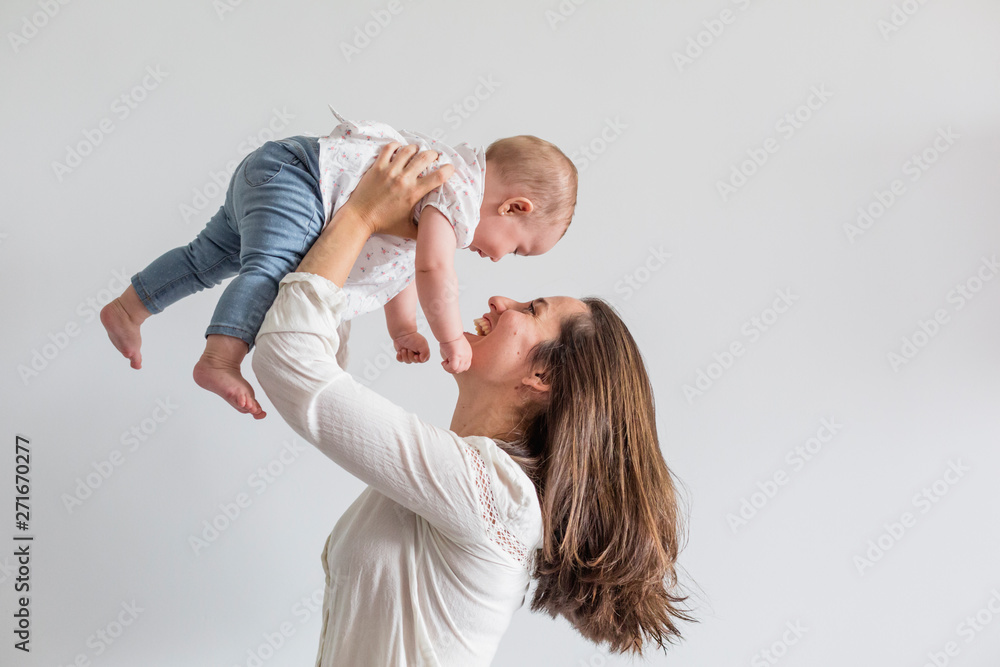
515	197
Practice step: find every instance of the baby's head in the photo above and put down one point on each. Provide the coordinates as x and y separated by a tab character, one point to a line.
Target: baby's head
528	199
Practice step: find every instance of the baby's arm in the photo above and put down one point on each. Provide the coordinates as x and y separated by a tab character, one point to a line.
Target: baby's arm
401	320
437	288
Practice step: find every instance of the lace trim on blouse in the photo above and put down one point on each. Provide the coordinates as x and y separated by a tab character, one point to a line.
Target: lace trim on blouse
496	531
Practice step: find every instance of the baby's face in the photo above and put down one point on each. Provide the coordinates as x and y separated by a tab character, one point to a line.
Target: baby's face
502	229
500	235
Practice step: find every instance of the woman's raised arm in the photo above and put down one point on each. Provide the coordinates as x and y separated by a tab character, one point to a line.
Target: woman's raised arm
425	468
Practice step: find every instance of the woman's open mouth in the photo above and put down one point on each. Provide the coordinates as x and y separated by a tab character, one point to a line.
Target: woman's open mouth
483	327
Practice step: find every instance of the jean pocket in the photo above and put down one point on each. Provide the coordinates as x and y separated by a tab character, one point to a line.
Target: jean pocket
266	162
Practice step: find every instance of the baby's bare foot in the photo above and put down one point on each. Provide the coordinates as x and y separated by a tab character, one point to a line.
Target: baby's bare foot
224	378
123	331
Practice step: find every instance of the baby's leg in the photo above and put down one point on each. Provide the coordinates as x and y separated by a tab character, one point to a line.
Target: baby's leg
278	210
206	261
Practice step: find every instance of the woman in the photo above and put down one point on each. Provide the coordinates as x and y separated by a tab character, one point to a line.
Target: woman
551	468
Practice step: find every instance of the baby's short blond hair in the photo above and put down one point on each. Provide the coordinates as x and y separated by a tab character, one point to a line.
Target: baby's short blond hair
539	170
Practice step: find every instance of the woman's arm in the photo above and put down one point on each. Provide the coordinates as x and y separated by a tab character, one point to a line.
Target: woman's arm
422	467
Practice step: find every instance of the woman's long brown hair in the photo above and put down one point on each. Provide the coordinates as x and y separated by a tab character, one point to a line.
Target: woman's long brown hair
611	516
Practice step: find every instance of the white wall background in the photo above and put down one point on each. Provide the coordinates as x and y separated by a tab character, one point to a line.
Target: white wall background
662	136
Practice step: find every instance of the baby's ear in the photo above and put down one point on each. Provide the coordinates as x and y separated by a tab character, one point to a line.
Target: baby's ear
516	206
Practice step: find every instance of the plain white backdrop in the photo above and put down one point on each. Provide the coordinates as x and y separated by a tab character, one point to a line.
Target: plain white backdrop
812	185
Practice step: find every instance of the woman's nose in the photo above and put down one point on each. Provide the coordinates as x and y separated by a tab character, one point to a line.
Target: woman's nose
499	304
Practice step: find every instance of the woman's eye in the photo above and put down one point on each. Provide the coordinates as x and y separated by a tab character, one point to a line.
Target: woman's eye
531	307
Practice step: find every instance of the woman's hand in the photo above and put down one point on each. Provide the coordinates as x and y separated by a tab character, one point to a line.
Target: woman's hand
382	203
388	191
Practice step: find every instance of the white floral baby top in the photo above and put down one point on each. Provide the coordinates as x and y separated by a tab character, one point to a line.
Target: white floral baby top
386	265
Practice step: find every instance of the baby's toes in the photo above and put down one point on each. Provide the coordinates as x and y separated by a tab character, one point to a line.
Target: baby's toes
253	407
240	403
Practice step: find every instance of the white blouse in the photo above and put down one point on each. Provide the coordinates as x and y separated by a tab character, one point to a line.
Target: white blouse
430	562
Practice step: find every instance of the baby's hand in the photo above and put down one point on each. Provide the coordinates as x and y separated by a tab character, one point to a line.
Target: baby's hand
411	347
457	355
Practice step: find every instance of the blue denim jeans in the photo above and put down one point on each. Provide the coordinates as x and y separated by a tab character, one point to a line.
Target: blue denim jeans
272	214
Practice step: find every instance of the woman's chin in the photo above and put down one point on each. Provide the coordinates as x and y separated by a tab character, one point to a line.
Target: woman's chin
475	340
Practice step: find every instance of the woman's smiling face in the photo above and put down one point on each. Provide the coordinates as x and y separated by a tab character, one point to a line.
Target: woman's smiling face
512	329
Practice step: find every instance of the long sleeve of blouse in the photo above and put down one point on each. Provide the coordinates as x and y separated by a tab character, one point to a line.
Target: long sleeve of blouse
467	488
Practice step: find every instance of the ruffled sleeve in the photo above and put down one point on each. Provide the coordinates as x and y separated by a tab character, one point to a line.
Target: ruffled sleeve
461	196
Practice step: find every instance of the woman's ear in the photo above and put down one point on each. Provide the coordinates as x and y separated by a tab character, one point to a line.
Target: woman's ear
537	382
